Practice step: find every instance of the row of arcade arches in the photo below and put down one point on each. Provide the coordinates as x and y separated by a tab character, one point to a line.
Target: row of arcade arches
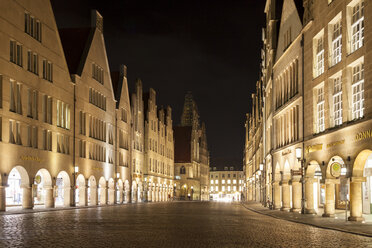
57	192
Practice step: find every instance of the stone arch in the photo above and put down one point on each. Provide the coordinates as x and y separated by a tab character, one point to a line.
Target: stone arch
277	176
44	188
63	189
311	168
286	168
359	163
111	191
80	193
18	191
92	191
361	186
102	191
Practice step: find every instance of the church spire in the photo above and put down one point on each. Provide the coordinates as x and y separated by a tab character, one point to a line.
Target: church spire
190	111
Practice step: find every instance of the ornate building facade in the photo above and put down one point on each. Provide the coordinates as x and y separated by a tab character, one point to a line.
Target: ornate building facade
321	112
191	155
159	150
69	132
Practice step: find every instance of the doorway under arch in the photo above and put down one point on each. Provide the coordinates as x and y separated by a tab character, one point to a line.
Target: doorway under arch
63	190
102	189
111	191
92	191
18	183
80	195
44	189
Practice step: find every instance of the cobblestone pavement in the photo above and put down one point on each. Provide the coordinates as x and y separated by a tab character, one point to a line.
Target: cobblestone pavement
176	224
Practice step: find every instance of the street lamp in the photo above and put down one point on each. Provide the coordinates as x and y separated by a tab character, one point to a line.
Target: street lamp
300	158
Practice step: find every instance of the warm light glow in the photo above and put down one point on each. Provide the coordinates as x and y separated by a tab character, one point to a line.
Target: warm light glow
76	169
298	152
261	166
118	175
192	187
343	171
259	173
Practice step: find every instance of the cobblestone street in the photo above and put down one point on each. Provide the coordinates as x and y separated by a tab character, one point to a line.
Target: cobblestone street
178	224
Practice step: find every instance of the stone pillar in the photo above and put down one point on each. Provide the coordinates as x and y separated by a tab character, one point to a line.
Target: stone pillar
27	199
49	198
103	196
93	195
84	196
309	196
72	196
356	200
286	196
111	196
296	195
277	202
2	198
149	195
329	207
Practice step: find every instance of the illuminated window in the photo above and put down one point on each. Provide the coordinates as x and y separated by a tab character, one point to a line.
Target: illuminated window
358	91
216	188
337	100
211	188
223	181
63	115
318	54
216	182
320	109
336	42
223	188
357	26
234	181
228	188
240	188
229	181
211	181
234	188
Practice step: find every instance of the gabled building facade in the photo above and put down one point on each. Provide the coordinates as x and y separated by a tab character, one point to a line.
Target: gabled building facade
191	155
159	149
36	108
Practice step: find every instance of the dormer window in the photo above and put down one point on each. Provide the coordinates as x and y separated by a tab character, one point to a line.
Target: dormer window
32	27
97	73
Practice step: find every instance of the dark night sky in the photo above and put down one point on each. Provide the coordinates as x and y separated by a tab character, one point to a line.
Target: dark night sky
209	47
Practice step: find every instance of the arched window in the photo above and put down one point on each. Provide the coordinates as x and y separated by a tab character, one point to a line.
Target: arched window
183	170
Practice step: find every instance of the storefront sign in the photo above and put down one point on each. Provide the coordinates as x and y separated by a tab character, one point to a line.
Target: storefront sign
339	142
363	135
31	158
314	148
336	169
296	172
285	152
